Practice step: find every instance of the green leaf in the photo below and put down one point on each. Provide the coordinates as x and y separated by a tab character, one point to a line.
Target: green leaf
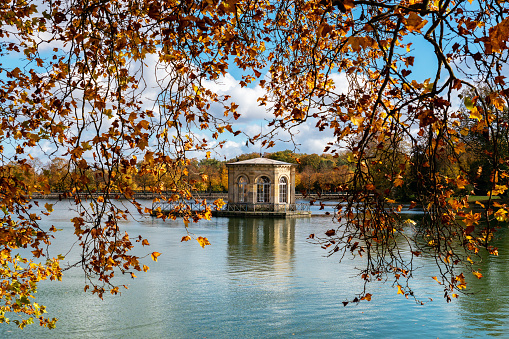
468	103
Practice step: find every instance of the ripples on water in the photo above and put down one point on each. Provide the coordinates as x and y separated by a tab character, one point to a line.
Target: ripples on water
260	278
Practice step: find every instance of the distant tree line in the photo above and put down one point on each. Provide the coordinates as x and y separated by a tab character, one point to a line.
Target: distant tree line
317	173
314	173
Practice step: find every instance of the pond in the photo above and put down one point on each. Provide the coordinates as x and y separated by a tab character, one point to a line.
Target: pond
260	278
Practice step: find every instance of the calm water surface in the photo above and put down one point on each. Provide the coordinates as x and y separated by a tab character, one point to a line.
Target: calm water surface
260	278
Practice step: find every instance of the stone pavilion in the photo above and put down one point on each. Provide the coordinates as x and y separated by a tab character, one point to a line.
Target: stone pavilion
262	187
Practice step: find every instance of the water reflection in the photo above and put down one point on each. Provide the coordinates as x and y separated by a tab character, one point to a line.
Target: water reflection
487	308
261	278
260	249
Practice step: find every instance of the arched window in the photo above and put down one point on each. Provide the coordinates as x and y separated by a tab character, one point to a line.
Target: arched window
263	189
242	189
283	190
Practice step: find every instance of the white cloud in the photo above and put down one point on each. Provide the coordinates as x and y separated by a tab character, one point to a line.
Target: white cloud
340	82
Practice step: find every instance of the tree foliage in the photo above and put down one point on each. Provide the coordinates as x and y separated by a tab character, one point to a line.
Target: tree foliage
79	90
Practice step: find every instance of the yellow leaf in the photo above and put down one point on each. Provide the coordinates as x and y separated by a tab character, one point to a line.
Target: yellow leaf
203	241
219	203
49	207
501	214
133	275
357	120
145	268
100	199
472	219
474	114
460	182
400	291
461	279
499	189
477	274
367	297
208	155
154	255
185	238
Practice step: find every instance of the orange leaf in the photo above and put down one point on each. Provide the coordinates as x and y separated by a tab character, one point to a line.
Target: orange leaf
499	35
415	22
400	291
477	274
370	187
185	238
398	181
154	255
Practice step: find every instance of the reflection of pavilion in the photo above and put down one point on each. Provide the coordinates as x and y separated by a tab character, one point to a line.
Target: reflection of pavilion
262	246
262	187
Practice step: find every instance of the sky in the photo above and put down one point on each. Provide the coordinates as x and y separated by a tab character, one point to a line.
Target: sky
254	118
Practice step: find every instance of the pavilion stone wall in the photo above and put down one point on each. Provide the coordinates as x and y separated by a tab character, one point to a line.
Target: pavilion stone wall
253	172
